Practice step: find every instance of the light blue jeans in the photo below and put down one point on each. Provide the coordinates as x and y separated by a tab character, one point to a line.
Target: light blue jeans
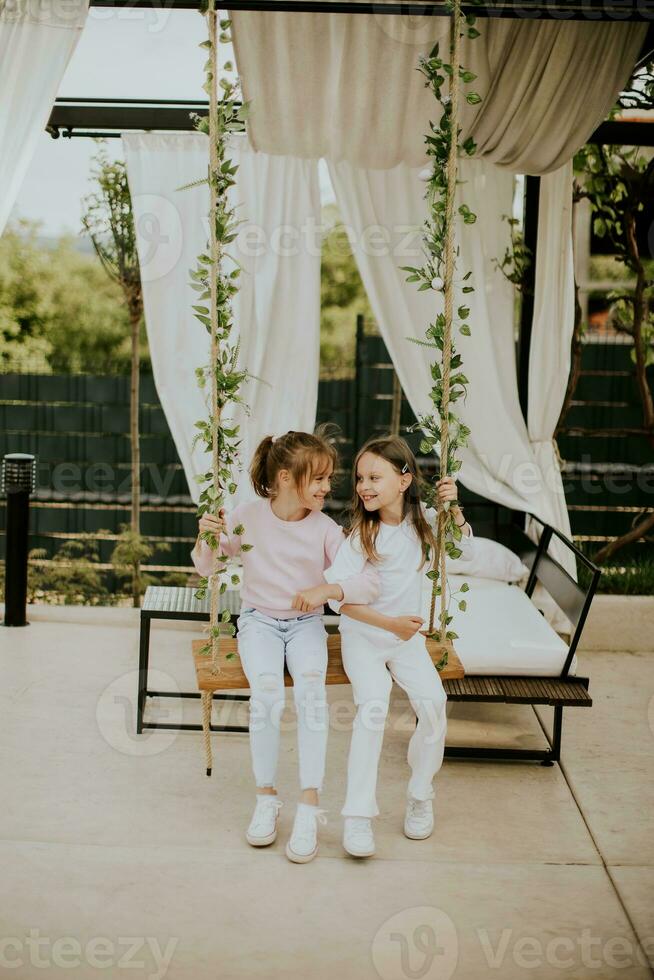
264	644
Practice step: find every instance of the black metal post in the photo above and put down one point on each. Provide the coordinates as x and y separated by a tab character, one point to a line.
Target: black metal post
358	367
530	233
18	475
530	237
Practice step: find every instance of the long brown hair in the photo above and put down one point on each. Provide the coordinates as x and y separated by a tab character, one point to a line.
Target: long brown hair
302	453
397	452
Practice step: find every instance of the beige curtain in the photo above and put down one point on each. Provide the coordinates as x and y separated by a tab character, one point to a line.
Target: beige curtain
346	86
545	86
339	86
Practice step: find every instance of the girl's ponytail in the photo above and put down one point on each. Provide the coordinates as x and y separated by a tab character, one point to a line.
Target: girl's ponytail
301	453
259	467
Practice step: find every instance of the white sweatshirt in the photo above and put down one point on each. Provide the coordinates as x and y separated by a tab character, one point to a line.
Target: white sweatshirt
403	584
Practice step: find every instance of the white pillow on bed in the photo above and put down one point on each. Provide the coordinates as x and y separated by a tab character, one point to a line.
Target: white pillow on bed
489	559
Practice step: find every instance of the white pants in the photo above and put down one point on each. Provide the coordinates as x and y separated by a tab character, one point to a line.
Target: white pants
372	663
263	644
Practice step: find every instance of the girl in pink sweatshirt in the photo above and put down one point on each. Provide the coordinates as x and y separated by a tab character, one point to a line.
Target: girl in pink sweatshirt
293	543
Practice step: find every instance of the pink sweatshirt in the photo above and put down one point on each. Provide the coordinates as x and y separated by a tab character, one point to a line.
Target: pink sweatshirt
286	557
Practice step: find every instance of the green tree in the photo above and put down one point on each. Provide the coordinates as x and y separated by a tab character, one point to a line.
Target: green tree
617	180
109	222
59	313
342	296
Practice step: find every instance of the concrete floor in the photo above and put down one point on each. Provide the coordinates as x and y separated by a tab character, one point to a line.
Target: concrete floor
121	858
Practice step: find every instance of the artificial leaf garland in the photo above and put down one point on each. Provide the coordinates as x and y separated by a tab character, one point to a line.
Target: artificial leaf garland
216	288
443	427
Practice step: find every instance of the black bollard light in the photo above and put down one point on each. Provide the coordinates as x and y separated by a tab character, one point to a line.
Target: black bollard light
17	481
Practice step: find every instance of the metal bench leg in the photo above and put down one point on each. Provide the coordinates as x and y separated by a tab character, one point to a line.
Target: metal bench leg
144	655
558	728
555	754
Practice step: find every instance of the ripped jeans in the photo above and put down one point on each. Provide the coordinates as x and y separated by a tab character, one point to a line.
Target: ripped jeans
263	644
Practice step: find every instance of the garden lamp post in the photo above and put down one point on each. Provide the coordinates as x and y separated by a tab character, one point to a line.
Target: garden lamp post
17	482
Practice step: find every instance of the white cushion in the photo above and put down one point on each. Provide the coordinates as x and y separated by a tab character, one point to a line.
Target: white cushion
489	559
501	631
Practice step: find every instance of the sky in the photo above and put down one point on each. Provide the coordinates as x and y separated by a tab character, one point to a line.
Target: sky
123	53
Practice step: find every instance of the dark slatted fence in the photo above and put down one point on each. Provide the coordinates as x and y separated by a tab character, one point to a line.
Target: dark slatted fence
78	427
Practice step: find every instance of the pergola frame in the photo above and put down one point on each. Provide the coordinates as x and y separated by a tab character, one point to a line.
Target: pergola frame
592	10
109	118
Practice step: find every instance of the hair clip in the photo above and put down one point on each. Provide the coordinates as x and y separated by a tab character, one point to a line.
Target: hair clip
405	468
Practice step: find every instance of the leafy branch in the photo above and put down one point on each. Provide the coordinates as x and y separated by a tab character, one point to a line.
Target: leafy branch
517	259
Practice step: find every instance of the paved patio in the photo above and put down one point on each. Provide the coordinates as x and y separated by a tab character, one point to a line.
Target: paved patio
120	858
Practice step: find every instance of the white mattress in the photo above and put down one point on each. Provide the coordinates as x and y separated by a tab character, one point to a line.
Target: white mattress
502	631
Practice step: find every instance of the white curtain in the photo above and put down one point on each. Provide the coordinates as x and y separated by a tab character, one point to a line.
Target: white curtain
383	211
550	349
277	308
37	40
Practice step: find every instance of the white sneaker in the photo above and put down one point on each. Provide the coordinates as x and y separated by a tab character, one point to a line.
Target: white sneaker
358	839
263	825
418	819
303	843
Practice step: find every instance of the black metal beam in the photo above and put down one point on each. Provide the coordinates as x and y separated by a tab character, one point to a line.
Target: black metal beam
584	10
647	48
627	133
123	115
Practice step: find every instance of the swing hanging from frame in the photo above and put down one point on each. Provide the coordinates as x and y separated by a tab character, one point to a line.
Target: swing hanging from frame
217	665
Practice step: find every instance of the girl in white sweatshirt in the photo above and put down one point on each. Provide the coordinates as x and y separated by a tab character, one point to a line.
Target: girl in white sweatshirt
393	531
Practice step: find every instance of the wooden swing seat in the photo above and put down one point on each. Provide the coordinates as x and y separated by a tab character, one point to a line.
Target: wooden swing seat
231	676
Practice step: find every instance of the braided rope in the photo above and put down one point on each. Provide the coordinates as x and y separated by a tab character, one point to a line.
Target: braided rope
207	700
215	414
455	57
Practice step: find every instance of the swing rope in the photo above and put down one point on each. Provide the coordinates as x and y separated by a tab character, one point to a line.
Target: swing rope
215	255
207	696
439	558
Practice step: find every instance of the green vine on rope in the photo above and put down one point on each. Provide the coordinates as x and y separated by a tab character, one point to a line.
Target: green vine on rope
216	287
443	427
